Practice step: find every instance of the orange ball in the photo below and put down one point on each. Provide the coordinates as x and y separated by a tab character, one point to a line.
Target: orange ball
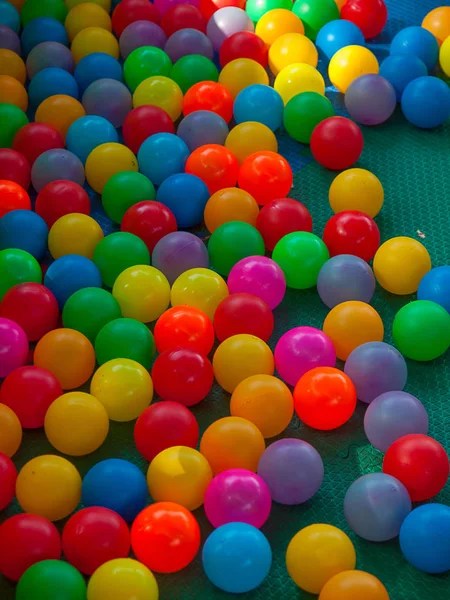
185	326
230	204
438	23
13	197
215	165
13	92
354	585
60	112
11	64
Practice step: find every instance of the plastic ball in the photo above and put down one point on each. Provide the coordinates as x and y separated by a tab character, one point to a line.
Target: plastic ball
56	165
277	218
70	273
352	232
232	242
143	63
105	4
356	189
276	22
8	476
184	326
108	98
416	41
337	143
95	66
59	112
17	266
437	21
41	30
125	338
13	345
260	276
117	577
13	197
259	103
48	8
24	230
250	137
226	21
186	42
139	34
143	122
174	188
12	65
86	133
182	16
434	286
200	288
107	160
68	355
149	221
351	585
117	252
129	11
300	255
349	63
202	127
13	92
297	78
94	39
125	189
162	92
315	15
88	310
256	9
444	57
59	198
9	16
10	40
118	485
50	82
242	313
400	70
162	155
242	73
370	100
215	165
211	96
243	44
178	252
426	102
266	176
369	15
34	139
74	234
49	54
13	119
11	431
289	49
345	277
230	204
338	34
82	16
304	112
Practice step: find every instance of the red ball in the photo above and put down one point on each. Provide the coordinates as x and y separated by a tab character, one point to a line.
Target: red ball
129	11
243	313
26	539
8	476
215	165
243	44
352	232
370	15
182	16
280	217
142	122
59	198
163	425
33	307
29	391
94	536
266	176
150	221
209	7
209	95
185	326
420	463
13	197
182	375
14	167
36	138
337	143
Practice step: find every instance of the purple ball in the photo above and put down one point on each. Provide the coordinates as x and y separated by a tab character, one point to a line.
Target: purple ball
49	54
370	100
292	469
376	368
188	41
141	33
237	496
260	276
226	21
202	127
54	165
345	277
393	415
10	40
13	346
108	98
178	252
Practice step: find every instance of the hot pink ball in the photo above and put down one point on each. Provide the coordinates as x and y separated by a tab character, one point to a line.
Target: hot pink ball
238	496
301	349
13	347
260	276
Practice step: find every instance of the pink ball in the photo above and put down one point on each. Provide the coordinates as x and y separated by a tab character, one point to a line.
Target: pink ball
260	276
13	347
162	6
301	349
238	496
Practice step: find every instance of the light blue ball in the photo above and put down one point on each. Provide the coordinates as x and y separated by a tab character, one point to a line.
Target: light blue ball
336	35
435	286
426	102
9	16
162	155
401	69
186	195
260	103
97	65
26	230
87	133
416	41
70	273
43	29
51	82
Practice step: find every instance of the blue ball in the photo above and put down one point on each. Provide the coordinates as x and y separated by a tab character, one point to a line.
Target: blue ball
345	277
237	558
43	29
186	195
50	82
162	155
26	230
435	286
425	538
426	102
202	127
69	274
118	485
87	133
416	41
97	65
401	69
9	16
260	103
336	35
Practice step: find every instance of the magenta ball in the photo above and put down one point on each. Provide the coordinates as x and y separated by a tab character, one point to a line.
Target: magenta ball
13	347
188	41
108	98
141	33
163	6
237	496
370	100
49	54
226	21
178	252
301	349
260	276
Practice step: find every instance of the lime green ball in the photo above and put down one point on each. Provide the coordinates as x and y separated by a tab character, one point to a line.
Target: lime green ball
421	330
257	8
51	580
33	9
303	113
12	118
192	69
301	255
125	338
231	242
118	251
124	190
17	266
143	63
88	310
315	14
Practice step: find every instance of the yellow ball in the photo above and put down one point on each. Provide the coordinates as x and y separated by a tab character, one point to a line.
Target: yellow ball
13	92
74	234
349	63
60	112
107	160
292	48
120	579
124	388
399	265
76	424
10	431
275	23
49	486
438	23
444	56
297	78
201	288
11	64
105	4
249	137
240	73
356	189
160	91
241	356
317	553
181	475
142	292
94	39
86	15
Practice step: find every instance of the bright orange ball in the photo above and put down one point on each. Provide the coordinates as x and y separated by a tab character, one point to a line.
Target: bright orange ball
215	165
60	112
438	23
354	585
230	204
185	326
13	92
266	176
13	197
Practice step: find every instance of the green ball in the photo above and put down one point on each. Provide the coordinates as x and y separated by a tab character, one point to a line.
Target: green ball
12	119
421	330
231	242
33	9
192	69
143	63
301	255
257	8
51	580
90	309
125	338
17	266
123	190
303	113
315	14
118	251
